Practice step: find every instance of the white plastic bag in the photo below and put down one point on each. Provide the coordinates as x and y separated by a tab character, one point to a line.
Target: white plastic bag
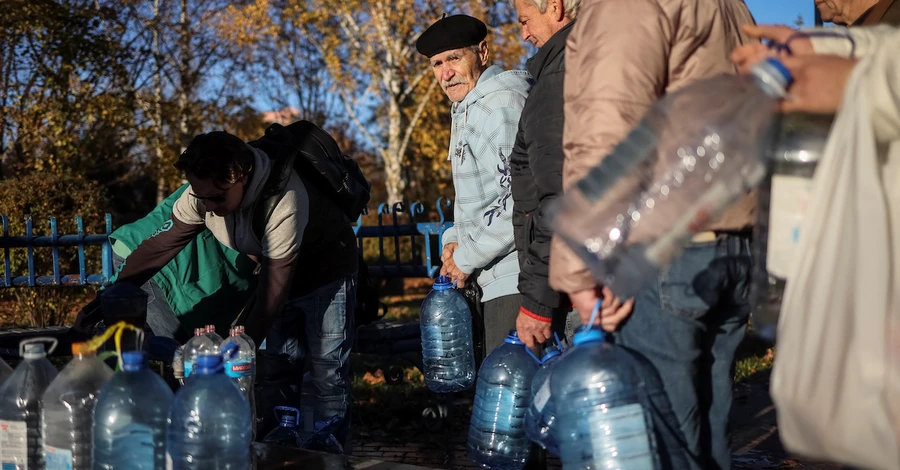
835	378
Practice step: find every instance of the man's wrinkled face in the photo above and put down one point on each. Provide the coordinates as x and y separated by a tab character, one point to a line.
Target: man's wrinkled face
842	12
457	70
537	27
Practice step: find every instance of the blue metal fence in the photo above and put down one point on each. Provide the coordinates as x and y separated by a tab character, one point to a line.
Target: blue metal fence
406	247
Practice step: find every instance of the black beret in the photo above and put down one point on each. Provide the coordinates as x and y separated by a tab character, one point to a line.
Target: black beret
451	32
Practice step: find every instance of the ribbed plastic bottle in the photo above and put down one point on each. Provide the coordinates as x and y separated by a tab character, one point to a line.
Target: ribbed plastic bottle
447	353
286	434
21	436
130	418
696	152
541	417
210	332
209	422
69	410
200	343
497	436
242	369
605	421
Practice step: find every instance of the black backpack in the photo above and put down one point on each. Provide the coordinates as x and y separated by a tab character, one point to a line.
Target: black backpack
310	151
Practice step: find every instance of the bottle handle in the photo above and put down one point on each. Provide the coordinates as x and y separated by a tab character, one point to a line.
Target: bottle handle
595	312
537	359
41	339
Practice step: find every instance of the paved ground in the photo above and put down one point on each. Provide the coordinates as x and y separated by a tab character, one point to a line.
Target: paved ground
756	440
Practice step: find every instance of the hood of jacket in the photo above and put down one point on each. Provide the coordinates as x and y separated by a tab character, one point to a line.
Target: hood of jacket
494	79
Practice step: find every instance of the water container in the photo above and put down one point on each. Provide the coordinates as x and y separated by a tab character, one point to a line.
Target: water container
286	434
321	437
5	371
541	417
249	340
497	436
130	418
69	410
447	354
783	199
209	423
210	332
200	343
242	369
695	153
606	421
20	406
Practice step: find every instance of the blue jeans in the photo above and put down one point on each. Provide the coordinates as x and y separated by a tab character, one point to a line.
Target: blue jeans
689	326
317	327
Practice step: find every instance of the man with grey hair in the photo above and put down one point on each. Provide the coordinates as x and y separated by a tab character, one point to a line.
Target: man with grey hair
536	166
859	12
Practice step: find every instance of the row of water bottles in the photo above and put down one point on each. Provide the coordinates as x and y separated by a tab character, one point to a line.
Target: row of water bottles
87	417
608	393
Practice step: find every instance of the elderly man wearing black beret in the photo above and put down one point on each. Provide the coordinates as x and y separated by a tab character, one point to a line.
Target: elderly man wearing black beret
487	102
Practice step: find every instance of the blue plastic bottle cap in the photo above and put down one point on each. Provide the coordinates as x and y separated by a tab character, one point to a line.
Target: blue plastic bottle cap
442	283
513	338
783	71
588	335
550	353
134	360
208	364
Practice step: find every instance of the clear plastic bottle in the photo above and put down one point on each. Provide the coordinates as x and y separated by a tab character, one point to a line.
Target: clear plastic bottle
210	332
242	369
209	422
199	344
697	151
606	421
69	410
130	418
5	371
497	436
286	434
21	408
446	325
541	417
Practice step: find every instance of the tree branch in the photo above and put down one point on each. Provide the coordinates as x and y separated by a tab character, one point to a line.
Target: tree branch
415	119
359	125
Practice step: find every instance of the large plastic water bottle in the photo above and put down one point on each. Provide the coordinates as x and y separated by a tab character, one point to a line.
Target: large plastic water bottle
130	418
210	332
447	354
69	410
249	340
497	436
242	369
209	423
5	371
21	436
200	343
696	152
541	417
286	434
608	394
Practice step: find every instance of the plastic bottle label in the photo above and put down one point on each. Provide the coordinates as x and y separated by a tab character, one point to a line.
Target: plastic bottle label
14	444
57	459
789	201
237	369
188	368
542	396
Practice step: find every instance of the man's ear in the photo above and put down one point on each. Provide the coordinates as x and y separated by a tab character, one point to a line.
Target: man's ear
556	9
484	53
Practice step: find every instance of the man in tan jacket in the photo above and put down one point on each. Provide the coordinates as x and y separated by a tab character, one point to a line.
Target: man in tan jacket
622	55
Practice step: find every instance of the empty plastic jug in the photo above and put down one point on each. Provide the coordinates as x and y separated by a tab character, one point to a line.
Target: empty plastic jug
199	344
242	369
497	436
20	407
210	332
608	394
447	354
696	152
209	422
5	371
286	434
69	410
130	418
541	417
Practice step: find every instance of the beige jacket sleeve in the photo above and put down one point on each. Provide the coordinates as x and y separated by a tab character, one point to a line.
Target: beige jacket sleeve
616	67
853	42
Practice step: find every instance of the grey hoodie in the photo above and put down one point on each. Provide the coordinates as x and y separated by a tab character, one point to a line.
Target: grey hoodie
481	141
